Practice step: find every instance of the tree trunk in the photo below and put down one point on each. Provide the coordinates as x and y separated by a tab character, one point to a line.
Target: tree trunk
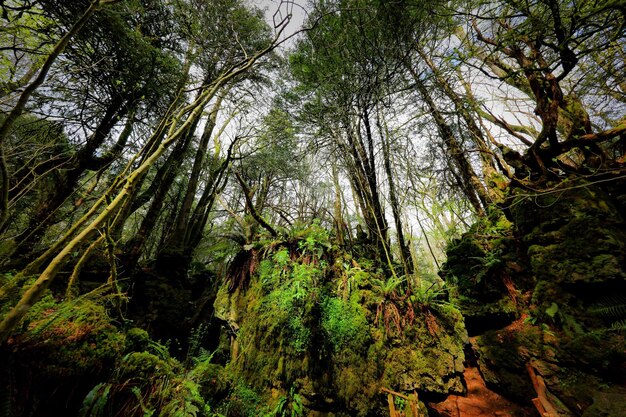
470	183
405	252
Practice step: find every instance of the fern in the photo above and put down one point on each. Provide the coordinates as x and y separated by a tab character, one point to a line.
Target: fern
95	401
611	308
619	326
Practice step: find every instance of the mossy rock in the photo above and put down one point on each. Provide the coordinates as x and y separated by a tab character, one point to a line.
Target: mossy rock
144	366
137	340
347	347
607	404
502	357
213	381
69	339
574	236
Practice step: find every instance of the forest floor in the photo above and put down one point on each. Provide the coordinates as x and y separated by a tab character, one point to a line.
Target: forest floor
480	401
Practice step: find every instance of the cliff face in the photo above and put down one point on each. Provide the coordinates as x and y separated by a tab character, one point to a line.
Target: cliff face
336	330
545	291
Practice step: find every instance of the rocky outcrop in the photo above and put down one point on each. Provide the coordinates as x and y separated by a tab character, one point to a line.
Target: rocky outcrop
562	265
337	330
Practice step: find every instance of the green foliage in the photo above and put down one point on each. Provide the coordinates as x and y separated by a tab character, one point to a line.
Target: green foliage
552	310
306	307
386	289
96	400
74	337
277	155
137	340
425	295
300	334
288	406
345	324
243	401
150	383
612	309
312	239
24	30
286	302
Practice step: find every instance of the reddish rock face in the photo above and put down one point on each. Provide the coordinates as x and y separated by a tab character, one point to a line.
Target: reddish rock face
479	402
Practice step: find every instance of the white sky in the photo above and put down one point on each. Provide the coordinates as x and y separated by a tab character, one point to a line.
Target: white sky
277	10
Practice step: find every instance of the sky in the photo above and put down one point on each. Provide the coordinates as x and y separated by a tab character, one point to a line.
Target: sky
277	10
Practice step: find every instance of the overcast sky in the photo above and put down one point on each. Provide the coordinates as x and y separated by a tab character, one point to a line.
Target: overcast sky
277	10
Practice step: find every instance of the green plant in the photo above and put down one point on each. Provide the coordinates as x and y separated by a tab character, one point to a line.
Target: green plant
429	296
288	406
194	348
388	302
386	289
150	383
243	401
612	309
345	324
74	337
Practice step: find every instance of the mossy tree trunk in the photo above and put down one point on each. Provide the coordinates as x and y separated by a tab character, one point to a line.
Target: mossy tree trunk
189	113
20	105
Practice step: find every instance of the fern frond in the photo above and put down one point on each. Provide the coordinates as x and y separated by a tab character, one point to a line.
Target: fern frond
612	308
619	326
95	401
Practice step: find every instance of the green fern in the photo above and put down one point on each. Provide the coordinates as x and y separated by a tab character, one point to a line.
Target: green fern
95	402
612	309
619	326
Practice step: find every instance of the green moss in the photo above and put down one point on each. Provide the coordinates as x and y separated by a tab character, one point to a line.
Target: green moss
332	331
144	366
137	340
345	324
66	339
243	401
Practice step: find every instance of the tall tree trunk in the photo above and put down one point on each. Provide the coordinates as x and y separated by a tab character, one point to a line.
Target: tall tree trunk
176	240
405	252
490	172
69	174
165	176
470	183
18	109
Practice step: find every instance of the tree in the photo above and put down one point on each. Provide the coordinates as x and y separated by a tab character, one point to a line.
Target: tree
105	212
345	82
537	47
119	88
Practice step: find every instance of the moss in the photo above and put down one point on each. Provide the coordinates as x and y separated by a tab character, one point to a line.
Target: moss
607	404
137	340
213	380
243	401
144	366
559	228
345	324
66	339
564	255
340	333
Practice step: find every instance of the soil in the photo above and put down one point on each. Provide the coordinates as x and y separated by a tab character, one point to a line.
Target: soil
480	401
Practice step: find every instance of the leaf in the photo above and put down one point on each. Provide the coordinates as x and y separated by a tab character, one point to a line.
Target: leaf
95	401
552	310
